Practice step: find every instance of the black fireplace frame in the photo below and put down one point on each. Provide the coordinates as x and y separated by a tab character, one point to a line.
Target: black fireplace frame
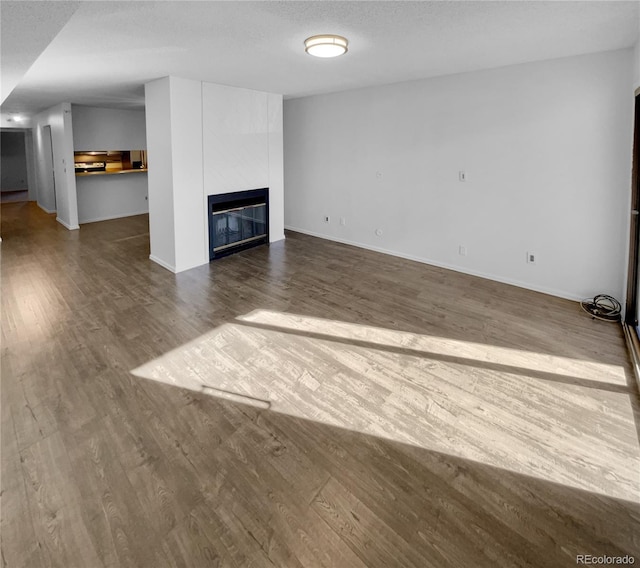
222	201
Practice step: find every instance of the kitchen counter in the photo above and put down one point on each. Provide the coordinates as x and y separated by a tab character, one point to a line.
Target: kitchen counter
111	173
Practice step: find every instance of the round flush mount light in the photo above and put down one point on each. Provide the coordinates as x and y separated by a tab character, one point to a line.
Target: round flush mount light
326	45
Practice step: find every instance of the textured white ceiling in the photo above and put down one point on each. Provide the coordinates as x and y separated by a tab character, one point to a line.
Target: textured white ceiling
108	50
26	29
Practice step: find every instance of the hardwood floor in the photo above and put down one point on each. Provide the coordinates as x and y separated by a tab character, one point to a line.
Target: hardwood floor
304	404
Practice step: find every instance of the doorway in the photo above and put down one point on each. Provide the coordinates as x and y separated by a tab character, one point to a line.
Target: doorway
49	171
14	182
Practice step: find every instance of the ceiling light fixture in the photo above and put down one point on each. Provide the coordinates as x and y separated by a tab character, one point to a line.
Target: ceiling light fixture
326	45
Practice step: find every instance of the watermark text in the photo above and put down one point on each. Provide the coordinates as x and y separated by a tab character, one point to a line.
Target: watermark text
603	560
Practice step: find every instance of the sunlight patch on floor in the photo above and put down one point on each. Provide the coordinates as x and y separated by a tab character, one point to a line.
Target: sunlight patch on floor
441	346
554	418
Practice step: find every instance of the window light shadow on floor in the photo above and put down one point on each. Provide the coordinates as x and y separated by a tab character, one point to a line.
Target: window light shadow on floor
545	416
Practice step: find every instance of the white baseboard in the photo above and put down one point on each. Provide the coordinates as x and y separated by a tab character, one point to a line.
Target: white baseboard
175	269
162	263
190	266
275	239
45	209
66	225
519	284
109	217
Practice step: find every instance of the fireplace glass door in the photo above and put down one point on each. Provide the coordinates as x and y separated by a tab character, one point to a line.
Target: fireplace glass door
232	227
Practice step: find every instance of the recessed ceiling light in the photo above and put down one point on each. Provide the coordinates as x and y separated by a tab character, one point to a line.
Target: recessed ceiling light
326	45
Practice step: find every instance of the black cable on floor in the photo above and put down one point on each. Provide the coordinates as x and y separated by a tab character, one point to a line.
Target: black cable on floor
602	307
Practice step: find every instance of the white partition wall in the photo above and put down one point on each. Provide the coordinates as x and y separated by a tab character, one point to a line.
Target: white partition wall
96	128
110	196
191	233
160	176
174	146
276	167
235	139
242	144
57	189
636	66
205	139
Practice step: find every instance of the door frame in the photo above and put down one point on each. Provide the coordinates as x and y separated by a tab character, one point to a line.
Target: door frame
48	136
630	323
631	308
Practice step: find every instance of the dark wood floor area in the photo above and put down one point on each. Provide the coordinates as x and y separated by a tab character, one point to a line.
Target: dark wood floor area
304	404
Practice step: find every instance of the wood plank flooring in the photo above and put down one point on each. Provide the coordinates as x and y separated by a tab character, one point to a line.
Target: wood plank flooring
306	404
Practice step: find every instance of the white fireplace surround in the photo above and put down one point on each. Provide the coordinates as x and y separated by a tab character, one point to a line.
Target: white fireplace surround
206	139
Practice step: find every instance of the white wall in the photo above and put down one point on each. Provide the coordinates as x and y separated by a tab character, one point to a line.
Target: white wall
120	195
59	118
191	235
546	148
177	207
159	160
243	148
108	129
7	120
111	196
636	66
29	148
208	139
276	167
235	139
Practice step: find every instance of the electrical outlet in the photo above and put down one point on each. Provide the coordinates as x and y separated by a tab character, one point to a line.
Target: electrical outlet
343	221
462	250
327	219
378	232
531	257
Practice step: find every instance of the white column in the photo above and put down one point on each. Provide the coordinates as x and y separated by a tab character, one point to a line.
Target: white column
177	226
276	168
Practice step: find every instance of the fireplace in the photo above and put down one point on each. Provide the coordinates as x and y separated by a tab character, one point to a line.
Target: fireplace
238	221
